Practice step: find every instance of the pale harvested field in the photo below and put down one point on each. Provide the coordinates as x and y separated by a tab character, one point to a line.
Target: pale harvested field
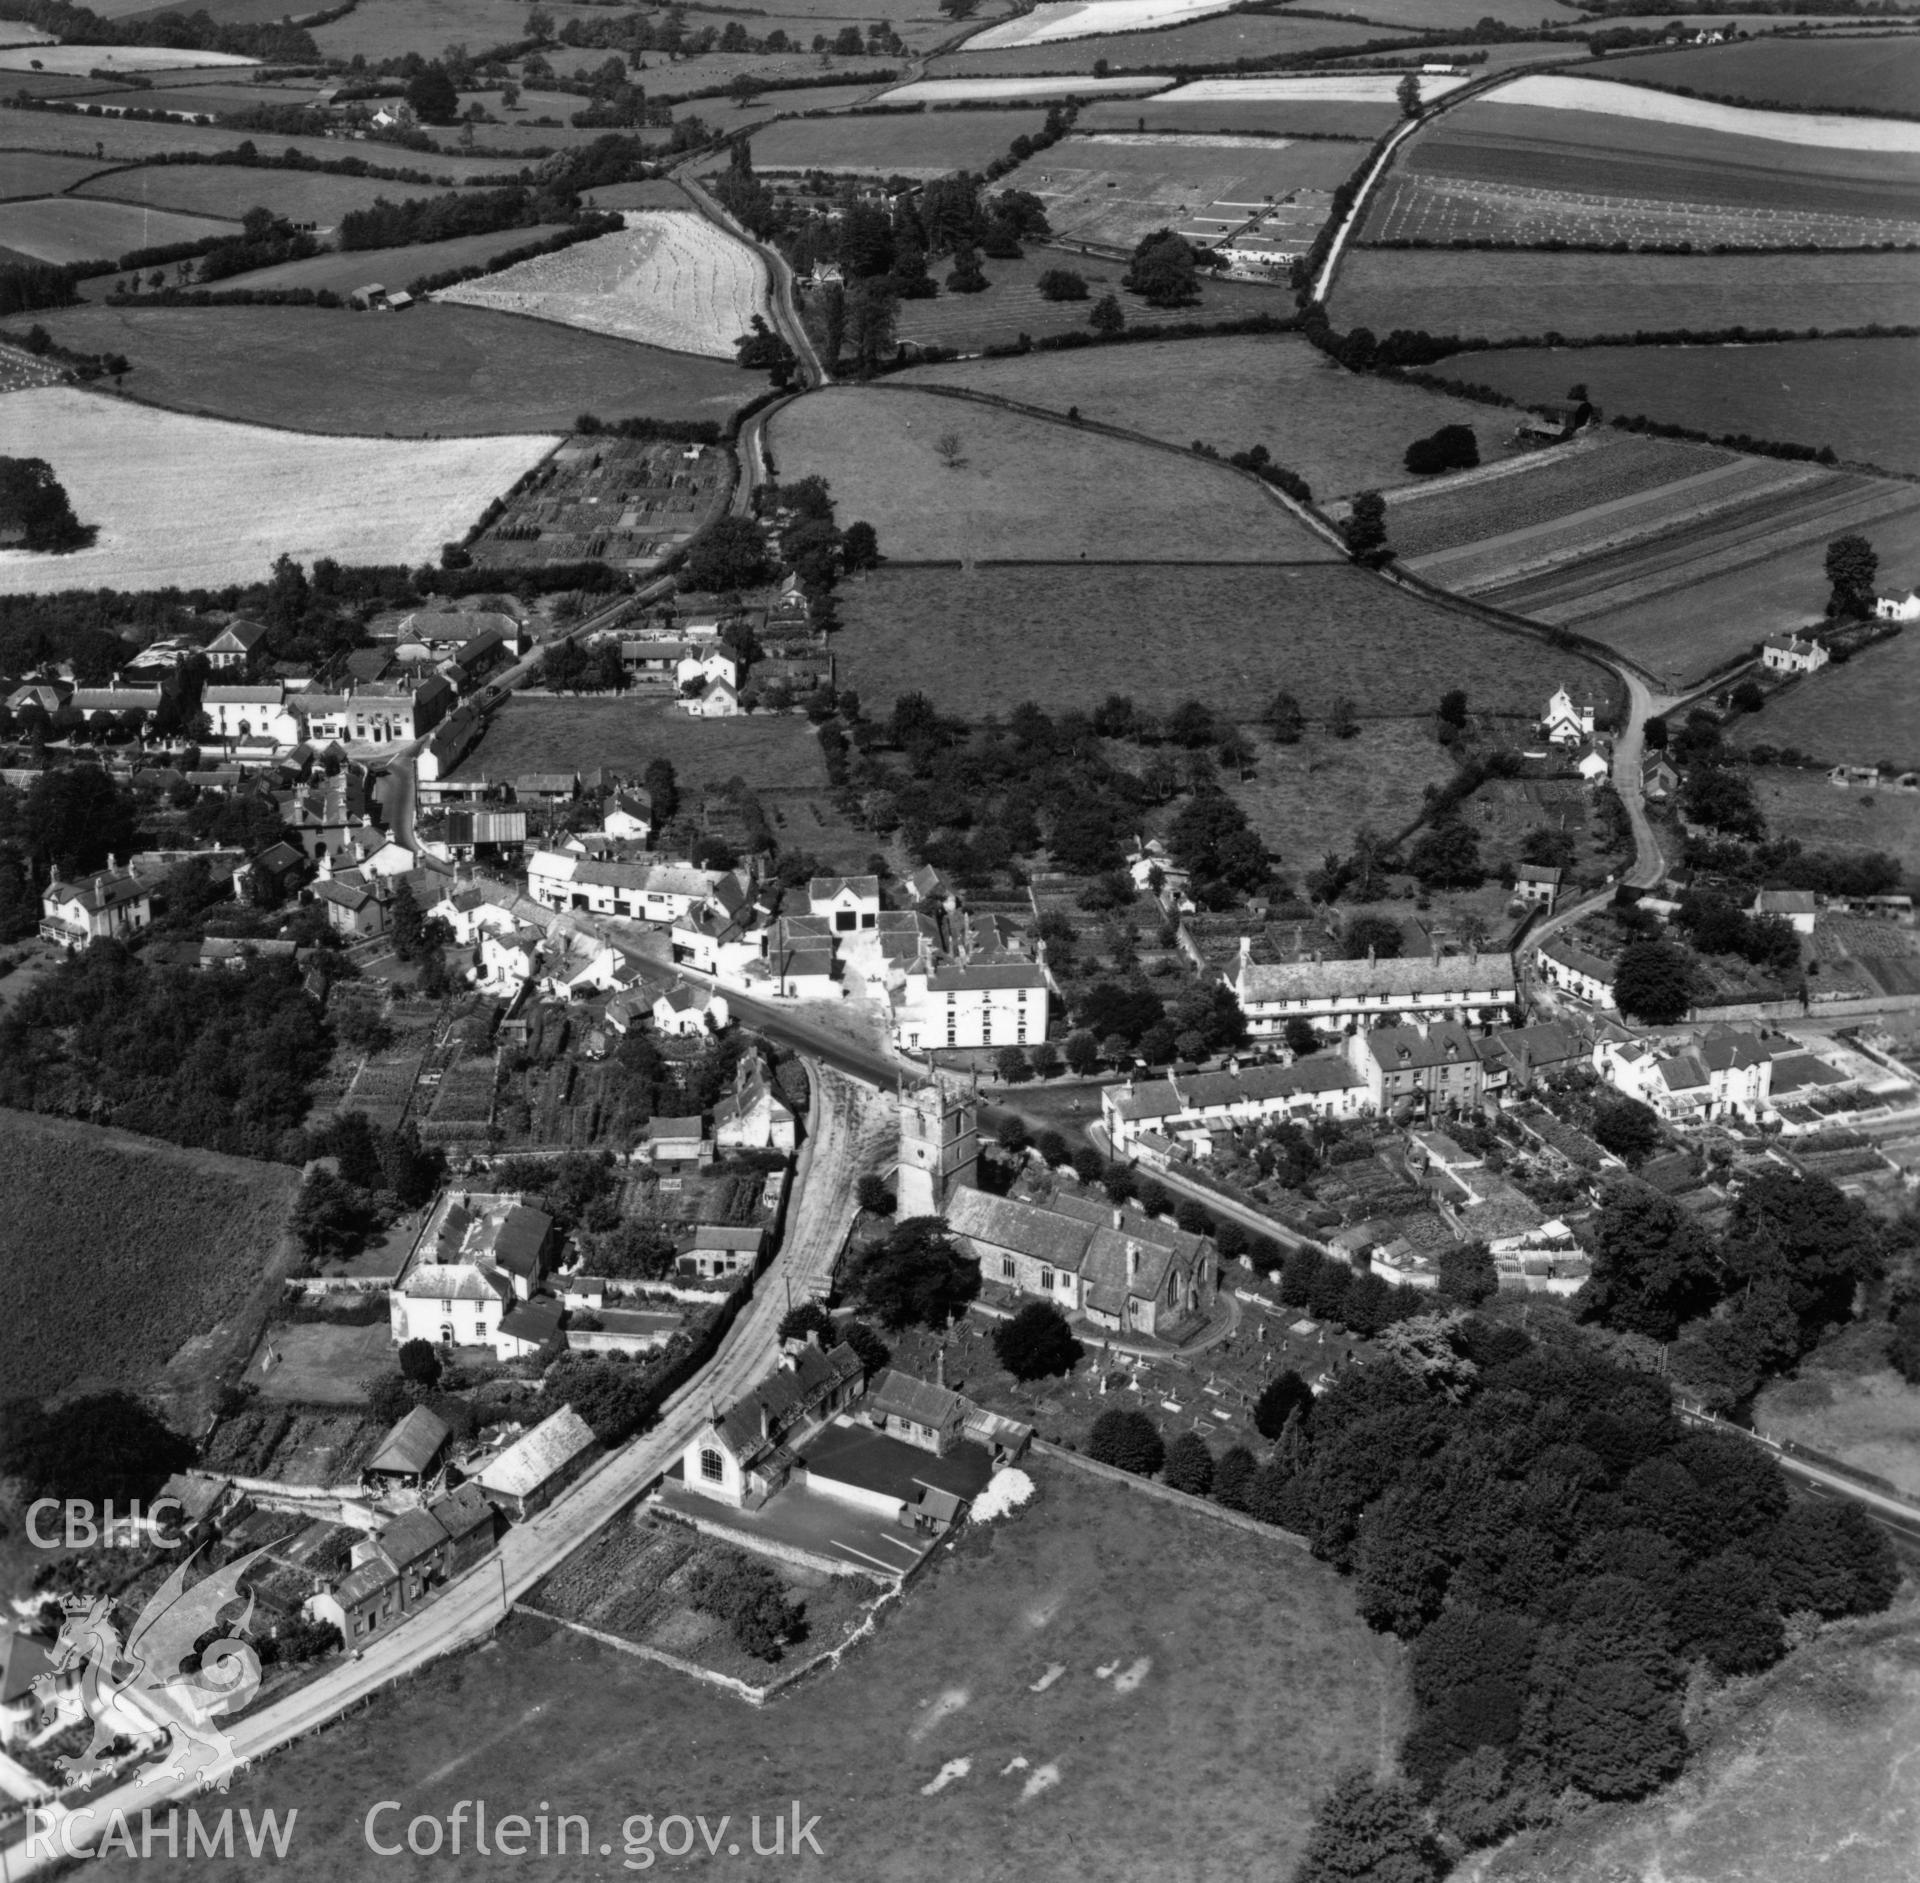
73	229
1076	19
951	91
193	502
1346	88
670	279
1557	92
85	59
1024	488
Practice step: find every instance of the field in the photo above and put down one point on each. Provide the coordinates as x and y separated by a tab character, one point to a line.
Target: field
950	91
1233	115
1309	798
670	279
1074	19
980	641
726	117
1508	294
1800	1773
1339	431
1454	16
30	173
1002	1716
112	58
1554	91
1803	804
1878	74
394	28
922	144
1001	498
1209	42
1512	172
1813	392
1113	187
344	271
438	371
194	502
1333	88
1858	714
1012	304
227	190
73	229
121	1250
774	751
213	99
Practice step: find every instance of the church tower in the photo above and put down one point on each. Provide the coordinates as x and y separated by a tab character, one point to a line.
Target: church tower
939	1149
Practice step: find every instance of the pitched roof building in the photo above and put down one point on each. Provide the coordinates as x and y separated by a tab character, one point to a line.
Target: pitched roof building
1475	989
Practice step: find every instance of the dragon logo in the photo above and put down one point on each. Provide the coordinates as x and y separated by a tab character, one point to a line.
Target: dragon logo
143	1690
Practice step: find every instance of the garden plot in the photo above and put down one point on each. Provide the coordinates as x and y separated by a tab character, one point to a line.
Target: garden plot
86	59
1815	130
1111	188
199	503
71	229
1074	19
959	91
670	278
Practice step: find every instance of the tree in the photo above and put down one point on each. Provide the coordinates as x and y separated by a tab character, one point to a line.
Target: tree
1904	1349
1453	708
1653	1265
433	96
1369	1832
1468	1275
967	276
1163	272
1107	318
1627	1128
1082	1052
949	450
1376	935
1037	1342
1233	1478
420	1363
730	553
1062	284
34	503
864	1339
873	1196
1451	448
1189	1465
859	547
1653	982
1282	1396
1407	95
1044	1057
1852	569
809	1318
102	1448
1284	720
750	1597
1725	1610
1366	526
1833	1559
1128	1439
1748	698
918	1276
1343	721
1299	1037
1447	854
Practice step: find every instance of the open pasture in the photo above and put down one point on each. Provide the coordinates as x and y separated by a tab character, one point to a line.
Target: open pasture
1239	117
1456	16
1510	293
957	91
1809	392
724	116
228	191
390	29
669	279
771	751
86	59
908	144
121	1249
73	229
194	502
1215	41
1556	91
343	271
978	641
433	371
1881	73
1012	303
1110	188
217	100
1041	1667
1000	496
1342	432
25	173
1858	714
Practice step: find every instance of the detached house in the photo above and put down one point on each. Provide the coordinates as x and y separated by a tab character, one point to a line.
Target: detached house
1729	1073
1788	653
1566	722
109	906
475	1261
974	1003
746	1453
753	1117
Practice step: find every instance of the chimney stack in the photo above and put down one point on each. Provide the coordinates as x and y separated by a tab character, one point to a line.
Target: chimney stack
1133	1260
940	1366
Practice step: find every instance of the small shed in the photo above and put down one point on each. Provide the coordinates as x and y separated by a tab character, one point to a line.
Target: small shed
412	1449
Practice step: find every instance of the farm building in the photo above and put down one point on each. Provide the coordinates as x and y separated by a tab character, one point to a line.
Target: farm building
1554	421
1898	607
1796	907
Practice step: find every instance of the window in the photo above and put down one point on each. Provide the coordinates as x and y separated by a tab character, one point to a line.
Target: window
712	1468
1046	1281
1006	1268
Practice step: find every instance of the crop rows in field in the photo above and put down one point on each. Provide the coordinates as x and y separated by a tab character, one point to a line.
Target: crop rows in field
20	370
670	278
1442	209
1537	487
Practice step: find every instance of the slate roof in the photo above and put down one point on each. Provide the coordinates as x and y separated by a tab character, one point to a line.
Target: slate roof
899	1395
518	1239
1173	1095
1580	960
542	1454
537	1320
982	976
407	1538
871	1461
412	1446
448	1281
826	888
1400	977
1785	902
757	1421
1405	1048
1025	1228
461	1512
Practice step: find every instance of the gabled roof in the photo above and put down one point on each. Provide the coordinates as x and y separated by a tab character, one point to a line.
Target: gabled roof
1581	960
542	1454
985	977
410	1536
1785	902
757	1421
1399	978
452	1281
828	888
900	1396
98	893
675	1130
537	1320
412	1445
461	1512
1402	1048
518	1239
1025	1228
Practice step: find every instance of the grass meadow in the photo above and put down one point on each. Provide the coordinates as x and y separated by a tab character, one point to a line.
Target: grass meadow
1810	392
777	751
981	641
916	144
1002	495
1858	714
433	371
398	27
25	173
120	1250
1309	798
74	229
1865	74
1511	294
1043	1666
228	190
343	271
1340	431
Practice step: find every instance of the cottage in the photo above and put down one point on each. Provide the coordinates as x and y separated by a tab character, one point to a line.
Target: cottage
406	1560
534	1470
109	906
352	907
1658	779
1796	907
638	890
685	1012
753	1116
1186	1107
745	1454
719	1249
527	1327
1790	654
1536	884
26	1675
674	1141
1338	996
250	712
1898	607
628	818
1577	971
1513	1057
914	1411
